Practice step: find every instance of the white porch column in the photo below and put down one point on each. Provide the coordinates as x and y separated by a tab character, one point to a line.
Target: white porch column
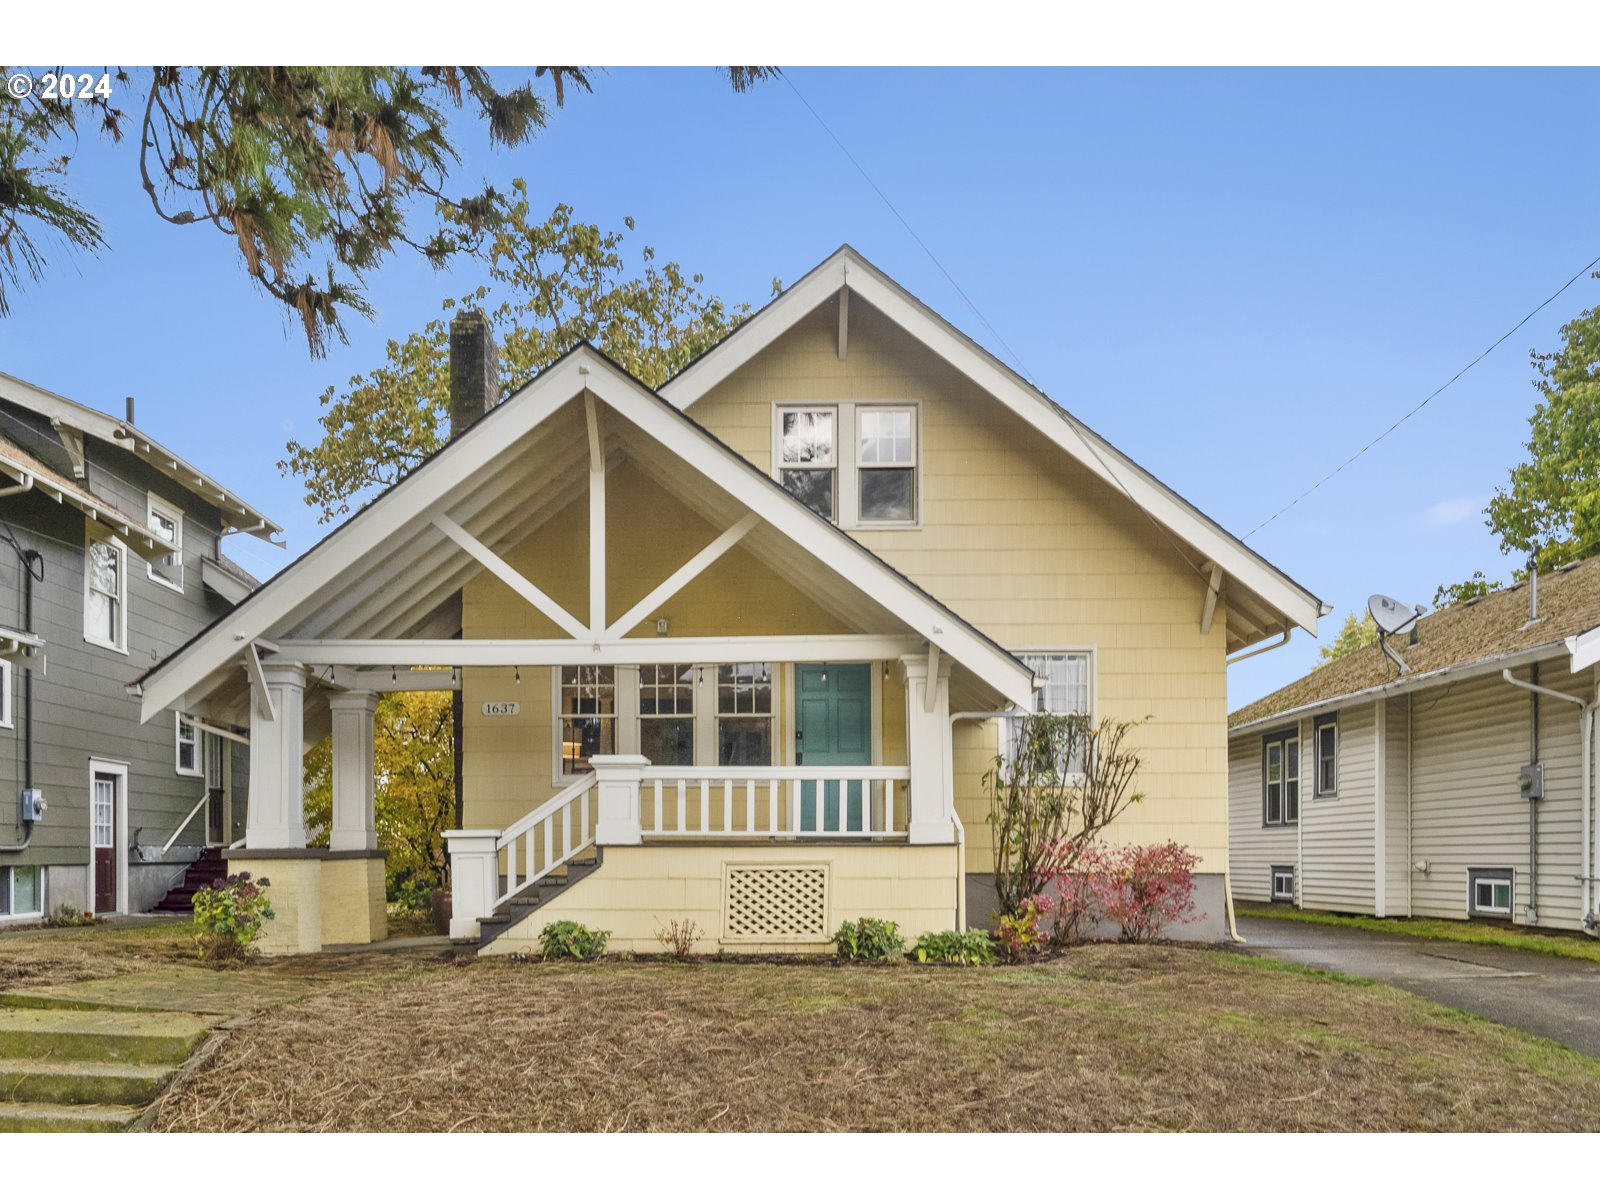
474	877
354	825
928	749
617	783
277	819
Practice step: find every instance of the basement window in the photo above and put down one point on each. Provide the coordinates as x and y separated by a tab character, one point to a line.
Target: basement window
1489	892
1283	883
21	892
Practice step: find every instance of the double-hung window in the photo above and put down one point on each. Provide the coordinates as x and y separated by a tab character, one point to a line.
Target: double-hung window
166	522
105	598
744	715
1326	741
1280	779
588	715
666	714
188	742
808	457
886	463
1065	691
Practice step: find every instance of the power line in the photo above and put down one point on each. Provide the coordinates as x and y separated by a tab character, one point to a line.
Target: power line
1424	403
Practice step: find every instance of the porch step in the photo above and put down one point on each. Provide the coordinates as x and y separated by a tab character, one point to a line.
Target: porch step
206	871
43	1081
520	908
66	1118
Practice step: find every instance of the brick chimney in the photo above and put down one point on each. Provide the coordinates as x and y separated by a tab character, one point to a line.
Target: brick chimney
474	369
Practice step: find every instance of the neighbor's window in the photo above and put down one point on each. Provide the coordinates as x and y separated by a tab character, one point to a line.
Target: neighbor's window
744	715
666	714
1283	883
808	457
21	892
588	715
188	747
1280	778
886	462
105	608
1065	692
1327	746
1489	893
6	720
167	522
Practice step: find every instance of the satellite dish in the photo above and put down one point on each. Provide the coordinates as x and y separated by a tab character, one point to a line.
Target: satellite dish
1392	617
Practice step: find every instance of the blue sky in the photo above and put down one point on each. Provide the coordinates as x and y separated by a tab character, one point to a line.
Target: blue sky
1238	277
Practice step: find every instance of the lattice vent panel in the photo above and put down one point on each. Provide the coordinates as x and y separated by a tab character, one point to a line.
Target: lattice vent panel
779	903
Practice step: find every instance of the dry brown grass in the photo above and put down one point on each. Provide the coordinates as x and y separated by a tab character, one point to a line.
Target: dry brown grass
51	956
1110	1038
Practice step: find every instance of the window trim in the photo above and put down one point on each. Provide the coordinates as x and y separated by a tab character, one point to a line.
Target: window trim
915	466
846	450
1282	738
625	700
8	892
1277	873
199	768
834	466
775	692
1326	721
1492	875
640	716
1091	653
8	716
120	646
155	504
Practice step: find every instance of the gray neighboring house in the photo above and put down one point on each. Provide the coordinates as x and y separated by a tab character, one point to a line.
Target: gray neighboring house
1463	788
111	559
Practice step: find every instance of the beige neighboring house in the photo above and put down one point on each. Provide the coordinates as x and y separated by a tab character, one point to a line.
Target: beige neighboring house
733	652
1462	788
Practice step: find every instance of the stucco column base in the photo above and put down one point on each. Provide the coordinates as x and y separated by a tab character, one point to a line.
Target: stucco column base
355	907
294	885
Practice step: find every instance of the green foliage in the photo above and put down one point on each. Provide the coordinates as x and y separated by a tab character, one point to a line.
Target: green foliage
66	916
1019	933
555	282
414	792
869	938
1551	507
228	918
1451	594
972	948
1355	634
569	939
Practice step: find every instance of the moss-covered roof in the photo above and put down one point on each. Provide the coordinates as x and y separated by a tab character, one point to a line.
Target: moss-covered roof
1490	627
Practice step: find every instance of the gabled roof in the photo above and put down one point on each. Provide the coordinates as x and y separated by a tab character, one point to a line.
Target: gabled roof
1489	632
33	475
1288	604
242	517
354	582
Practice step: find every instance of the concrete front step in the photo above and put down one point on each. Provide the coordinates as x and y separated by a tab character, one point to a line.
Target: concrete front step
66	1118
39	1081
98	1035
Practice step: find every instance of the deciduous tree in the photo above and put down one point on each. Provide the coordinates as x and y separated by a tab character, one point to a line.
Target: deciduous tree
1353	635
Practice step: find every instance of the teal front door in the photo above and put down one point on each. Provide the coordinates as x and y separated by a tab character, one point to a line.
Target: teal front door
833	727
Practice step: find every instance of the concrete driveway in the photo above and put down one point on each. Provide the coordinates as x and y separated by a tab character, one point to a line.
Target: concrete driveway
1557	998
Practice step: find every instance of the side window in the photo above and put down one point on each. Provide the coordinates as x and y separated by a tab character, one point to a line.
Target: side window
1280	779
1327	748
167	522
886	462
188	752
6	719
808	458
105	600
1064	692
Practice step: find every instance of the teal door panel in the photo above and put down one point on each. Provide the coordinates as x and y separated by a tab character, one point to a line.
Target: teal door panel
833	727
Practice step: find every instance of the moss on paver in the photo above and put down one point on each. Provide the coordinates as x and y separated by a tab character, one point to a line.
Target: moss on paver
80	1035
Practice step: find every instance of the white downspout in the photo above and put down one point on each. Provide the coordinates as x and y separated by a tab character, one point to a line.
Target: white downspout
1586	725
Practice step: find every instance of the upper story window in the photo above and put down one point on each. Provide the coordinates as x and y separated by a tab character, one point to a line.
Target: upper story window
588	715
1326	742
887	462
188	741
167	522
1065	691
808	457
1280	779
105	594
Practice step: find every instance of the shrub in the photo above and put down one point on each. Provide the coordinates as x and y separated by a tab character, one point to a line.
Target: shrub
66	915
970	948
1144	888
1019	933
570	939
679	938
228	918
869	938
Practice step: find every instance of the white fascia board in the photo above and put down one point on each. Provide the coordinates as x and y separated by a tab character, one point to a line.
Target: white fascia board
1185	521
403	654
109	429
1584	648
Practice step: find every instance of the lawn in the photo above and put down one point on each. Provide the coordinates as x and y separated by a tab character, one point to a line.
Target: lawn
1468	932
1106	1038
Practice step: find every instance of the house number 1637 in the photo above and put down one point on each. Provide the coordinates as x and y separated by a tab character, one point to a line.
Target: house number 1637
501	708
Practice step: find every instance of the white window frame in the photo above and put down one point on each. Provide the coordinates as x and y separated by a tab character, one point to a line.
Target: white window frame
120	643
194	741
625	683
1282	873
8	718
1006	736
846	450
1491	877
1326	723
834	464
10	887
914	466
1281	741
641	717
775	703
153	505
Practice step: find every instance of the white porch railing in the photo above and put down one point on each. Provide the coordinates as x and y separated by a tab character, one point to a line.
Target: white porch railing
775	802
549	837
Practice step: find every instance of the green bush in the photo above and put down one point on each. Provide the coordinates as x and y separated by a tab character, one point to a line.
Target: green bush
569	939
66	916
228	918
869	938
970	948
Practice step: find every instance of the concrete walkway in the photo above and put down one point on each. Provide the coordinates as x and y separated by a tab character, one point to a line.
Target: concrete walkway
1557	998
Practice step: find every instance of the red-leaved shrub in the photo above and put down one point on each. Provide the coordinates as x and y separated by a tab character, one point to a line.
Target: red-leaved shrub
1142	888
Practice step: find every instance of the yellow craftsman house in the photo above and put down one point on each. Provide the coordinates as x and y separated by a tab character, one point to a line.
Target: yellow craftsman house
738	652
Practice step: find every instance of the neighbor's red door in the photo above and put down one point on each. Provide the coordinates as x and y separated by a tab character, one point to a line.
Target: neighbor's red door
105	842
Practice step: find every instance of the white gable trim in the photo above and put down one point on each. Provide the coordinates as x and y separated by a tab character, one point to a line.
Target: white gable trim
845	267
428	490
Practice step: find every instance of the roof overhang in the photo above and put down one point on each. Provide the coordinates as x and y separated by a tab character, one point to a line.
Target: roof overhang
1584	648
32	476
1274	602
321	595
238	516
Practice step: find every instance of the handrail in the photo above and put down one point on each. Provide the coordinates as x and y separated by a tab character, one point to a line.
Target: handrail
551	806
184	824
559	845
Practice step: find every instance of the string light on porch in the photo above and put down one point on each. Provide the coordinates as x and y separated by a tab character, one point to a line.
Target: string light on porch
519	676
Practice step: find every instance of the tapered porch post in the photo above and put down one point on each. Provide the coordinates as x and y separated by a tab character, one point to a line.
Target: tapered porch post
277	818
928	748
354	825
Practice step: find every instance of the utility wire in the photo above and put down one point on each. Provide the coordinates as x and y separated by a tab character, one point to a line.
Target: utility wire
1424	403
